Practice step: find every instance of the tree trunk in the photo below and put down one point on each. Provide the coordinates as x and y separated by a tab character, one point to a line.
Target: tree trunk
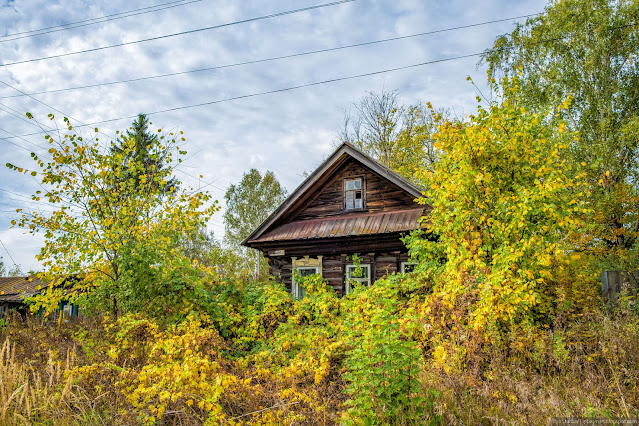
115	308
257	264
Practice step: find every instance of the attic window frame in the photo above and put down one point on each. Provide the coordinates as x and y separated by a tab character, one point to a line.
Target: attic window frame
362	190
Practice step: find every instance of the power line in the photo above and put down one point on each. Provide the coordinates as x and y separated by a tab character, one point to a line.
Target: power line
26	140
82	124
49	106
19	195
18	136
294	55
291	88
301	86
13	143
5	249
98	20
333	80
13	134
15	114
40	102
201	180
243	21
285	89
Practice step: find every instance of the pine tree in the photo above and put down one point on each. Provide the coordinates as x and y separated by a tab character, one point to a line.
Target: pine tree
137	142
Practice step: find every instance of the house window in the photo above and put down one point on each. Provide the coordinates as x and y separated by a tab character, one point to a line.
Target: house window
407	267
353	194
360	274
298	290
67	310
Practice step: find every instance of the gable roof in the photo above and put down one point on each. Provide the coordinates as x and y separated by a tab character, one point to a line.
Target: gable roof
320	176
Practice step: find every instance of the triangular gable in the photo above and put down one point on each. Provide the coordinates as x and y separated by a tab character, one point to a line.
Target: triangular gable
306	191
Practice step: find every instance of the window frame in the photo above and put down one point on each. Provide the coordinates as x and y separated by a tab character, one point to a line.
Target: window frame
402	267
362	190
67	310
348	278
295	288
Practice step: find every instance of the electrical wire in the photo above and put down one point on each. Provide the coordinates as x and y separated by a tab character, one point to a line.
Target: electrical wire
271	59
18	195
10	257
285	89
81	125
332	80
257	61
92	21
48	106
128	43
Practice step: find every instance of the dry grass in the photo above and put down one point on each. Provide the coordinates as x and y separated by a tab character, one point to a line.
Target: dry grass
31	394
592	371
589	368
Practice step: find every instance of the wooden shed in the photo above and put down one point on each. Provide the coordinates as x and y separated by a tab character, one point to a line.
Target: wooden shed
350	205
13	291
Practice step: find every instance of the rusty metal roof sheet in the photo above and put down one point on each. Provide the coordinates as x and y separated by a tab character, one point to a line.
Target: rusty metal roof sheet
15	289
346	226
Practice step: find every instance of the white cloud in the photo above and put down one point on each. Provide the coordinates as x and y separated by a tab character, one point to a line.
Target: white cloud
288	133
21	248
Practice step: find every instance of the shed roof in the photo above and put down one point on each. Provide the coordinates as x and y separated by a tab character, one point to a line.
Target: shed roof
15	289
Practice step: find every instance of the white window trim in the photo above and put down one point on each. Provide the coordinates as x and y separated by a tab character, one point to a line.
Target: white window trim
67	310
366	281
295	289
402	267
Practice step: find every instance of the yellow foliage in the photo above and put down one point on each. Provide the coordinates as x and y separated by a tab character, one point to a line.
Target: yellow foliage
504	201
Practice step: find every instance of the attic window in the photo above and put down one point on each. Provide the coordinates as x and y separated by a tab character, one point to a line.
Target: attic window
353	194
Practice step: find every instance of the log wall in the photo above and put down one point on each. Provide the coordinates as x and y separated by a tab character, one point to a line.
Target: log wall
379	194
334	267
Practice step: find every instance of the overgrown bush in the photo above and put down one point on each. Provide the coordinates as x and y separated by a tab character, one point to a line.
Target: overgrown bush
391	353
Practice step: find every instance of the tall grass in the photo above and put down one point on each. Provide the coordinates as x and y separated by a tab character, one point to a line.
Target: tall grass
587	369
66	375
46	392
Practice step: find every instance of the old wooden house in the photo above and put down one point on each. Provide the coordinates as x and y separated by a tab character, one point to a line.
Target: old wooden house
350	205
14	291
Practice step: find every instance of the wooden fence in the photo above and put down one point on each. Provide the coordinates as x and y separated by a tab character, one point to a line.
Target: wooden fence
614	282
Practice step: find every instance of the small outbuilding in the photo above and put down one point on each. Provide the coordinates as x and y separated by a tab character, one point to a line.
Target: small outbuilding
351	204
14	290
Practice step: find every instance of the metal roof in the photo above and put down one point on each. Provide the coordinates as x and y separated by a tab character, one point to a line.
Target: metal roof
15	289
344	226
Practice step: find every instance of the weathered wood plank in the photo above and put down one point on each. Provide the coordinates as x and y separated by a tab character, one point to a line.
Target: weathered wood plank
380	194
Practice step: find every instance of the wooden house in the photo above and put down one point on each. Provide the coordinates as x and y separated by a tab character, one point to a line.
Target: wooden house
350	205
13	291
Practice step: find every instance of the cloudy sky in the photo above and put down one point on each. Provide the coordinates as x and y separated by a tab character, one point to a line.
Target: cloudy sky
287	132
